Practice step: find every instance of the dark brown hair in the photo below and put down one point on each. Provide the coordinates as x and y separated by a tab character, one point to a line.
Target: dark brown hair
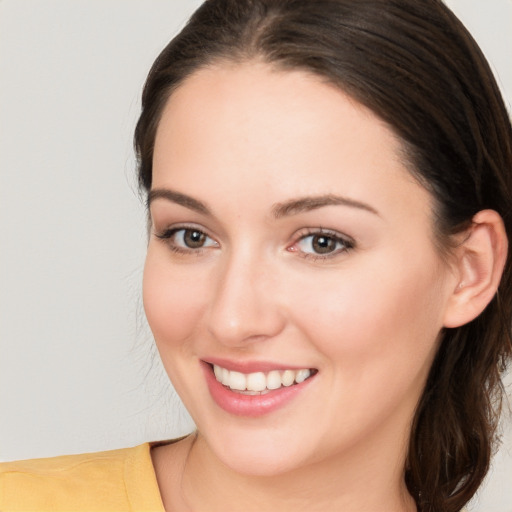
415	66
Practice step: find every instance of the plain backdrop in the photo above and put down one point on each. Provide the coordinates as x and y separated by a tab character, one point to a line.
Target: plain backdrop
78	370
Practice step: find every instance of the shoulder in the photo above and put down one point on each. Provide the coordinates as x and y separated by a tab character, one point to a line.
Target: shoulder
114	480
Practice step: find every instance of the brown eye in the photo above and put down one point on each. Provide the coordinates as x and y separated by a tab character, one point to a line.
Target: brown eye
193	239
323	244
187	239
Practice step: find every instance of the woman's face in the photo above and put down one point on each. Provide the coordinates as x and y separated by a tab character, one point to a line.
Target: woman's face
287	234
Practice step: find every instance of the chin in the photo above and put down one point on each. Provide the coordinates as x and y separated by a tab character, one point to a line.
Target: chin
257	464
263	454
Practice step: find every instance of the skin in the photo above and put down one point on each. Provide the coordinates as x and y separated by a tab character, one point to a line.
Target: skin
243	139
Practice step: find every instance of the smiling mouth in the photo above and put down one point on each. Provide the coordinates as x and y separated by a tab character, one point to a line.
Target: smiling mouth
260	383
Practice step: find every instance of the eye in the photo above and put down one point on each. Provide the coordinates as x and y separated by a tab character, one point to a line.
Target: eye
187	239
322	244
191	238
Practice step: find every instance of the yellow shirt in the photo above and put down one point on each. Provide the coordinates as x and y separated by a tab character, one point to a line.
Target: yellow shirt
113	481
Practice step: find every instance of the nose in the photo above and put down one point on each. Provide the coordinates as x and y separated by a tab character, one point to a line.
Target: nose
244	308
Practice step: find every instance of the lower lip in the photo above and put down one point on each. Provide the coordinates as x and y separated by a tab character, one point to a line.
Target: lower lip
250	405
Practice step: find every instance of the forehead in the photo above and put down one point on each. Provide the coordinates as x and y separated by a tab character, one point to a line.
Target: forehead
275	132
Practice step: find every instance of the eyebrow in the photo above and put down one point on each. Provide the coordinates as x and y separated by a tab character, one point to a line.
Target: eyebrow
178	198
304	204
279	210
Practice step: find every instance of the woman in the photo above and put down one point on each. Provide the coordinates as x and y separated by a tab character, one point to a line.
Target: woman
329	193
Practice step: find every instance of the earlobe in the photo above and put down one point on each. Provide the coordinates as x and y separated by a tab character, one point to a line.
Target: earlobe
480	262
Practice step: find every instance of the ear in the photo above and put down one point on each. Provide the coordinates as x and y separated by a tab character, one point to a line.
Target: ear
480	260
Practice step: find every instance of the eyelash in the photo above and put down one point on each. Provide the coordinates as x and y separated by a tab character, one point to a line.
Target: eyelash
167	235
347	242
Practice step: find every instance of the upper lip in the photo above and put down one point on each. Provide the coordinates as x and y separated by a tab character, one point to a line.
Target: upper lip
251	366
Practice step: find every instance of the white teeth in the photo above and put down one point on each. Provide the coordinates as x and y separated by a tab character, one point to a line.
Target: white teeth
273	380
302	375
288	377
225	377
237	381
257	382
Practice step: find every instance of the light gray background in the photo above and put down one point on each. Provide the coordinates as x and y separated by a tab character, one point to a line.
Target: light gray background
78	371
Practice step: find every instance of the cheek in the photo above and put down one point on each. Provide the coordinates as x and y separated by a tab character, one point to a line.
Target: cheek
172	300
377	331
383	314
